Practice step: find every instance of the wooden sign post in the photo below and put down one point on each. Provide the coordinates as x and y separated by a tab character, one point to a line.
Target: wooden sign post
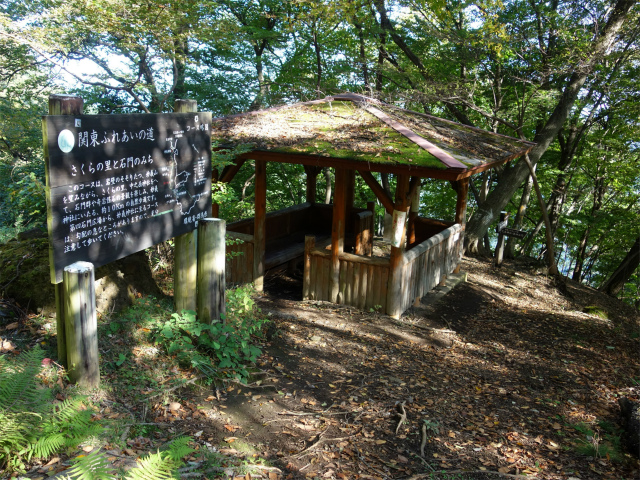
211	270
115	185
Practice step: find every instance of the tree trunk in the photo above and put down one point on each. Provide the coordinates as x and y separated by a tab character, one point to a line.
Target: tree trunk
517	223
629	264
327	179
509	182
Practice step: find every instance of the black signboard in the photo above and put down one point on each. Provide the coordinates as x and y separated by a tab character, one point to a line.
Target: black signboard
117	184
512	232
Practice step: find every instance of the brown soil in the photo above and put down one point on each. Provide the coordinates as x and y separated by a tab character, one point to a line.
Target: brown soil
494	378
497	373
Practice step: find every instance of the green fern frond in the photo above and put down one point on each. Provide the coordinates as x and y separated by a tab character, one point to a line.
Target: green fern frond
157	466
94	466
179	448
17	381
45	446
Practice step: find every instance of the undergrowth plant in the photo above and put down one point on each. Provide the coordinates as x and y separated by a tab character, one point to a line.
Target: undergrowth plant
31	424
156	466
222	349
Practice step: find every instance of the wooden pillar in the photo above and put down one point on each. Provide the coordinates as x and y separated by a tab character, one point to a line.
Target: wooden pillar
259	226
395	285
337	232
81	324
413	213
211	270
61	105
184	257
461	215
309	244
312	182
350	190
461	202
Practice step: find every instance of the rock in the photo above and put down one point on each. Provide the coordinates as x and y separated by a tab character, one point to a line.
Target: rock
24	276
630	411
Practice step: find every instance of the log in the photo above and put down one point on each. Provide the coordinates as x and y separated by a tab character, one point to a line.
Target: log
211	270
81	324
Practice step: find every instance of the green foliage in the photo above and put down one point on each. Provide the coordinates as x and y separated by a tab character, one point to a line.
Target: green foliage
599	441
31	425
157	466
222	349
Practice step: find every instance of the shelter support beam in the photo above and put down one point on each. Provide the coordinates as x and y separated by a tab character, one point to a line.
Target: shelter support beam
259	226
395	286
337	231
378	191
230	170
413	213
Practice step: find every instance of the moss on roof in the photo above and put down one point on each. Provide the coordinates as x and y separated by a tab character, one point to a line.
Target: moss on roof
345	129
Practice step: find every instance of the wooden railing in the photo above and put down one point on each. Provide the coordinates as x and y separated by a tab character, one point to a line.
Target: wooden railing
363	279
426	264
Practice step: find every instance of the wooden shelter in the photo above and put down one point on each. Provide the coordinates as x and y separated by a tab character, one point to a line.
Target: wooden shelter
355	134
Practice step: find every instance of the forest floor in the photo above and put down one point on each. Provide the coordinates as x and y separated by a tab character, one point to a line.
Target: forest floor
506	376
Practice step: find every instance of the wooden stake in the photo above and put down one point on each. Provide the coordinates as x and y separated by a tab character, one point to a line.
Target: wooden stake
184	257
309	244
337	232
60	105
259	226
211	270
81	324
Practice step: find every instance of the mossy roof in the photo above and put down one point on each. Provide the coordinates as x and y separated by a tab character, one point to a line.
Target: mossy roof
359	132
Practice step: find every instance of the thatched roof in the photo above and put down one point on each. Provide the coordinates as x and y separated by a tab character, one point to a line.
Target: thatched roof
362	133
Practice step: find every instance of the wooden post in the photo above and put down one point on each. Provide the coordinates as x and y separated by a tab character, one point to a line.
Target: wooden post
504	218
81	324
61	105
211	270
184	256
461	215
312	182
259	226
413	213
395	285
309	244
337	232
215	208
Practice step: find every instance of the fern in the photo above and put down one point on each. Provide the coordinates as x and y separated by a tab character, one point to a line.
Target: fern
179	448
157	466
94	466
31	426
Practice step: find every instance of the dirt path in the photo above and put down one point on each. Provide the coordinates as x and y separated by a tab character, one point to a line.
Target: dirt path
502	376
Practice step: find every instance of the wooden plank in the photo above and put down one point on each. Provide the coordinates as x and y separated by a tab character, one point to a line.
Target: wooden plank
364	280
337	231
259	224
355	295
349	281
371	288
309	244
230	170
384	283
364	259
343	282
313	281
185	272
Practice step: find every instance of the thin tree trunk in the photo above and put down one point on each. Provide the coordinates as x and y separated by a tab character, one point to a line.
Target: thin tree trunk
509	182
615	283
327	179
